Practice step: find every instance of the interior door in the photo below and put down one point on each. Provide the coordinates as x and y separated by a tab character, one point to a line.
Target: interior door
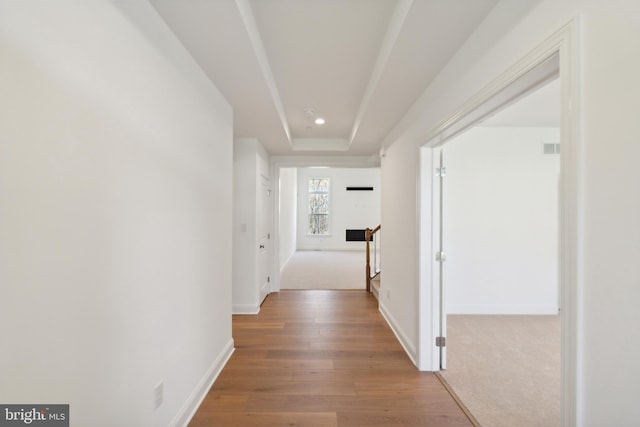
440	251
264	237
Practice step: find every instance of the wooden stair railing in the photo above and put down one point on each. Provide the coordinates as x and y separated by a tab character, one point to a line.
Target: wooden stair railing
368	234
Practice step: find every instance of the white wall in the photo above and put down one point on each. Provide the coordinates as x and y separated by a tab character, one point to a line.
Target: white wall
608	374
244	293
115	214
398	298
501	222
287	213
348	209
250	162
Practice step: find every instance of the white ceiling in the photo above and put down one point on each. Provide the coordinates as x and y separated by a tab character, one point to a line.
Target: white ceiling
359	64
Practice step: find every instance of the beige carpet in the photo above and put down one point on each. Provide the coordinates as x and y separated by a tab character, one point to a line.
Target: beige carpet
324	270
506	369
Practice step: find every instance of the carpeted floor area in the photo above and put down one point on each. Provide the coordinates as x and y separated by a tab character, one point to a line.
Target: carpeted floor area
506	368
324	270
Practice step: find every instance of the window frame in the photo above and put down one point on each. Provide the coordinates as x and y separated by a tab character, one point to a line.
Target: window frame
328	206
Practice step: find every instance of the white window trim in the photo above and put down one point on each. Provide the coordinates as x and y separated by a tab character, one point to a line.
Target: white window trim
329	216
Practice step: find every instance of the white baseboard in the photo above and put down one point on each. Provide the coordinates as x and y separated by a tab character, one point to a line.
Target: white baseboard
404	341
192	404
501	309
245	308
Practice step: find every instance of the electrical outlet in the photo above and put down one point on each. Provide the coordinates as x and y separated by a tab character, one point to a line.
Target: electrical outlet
159	394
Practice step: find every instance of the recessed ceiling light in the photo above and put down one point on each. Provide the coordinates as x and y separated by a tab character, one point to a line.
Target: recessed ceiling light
319	121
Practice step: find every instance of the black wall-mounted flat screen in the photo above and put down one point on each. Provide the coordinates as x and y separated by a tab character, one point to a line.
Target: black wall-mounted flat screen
359	188
356	236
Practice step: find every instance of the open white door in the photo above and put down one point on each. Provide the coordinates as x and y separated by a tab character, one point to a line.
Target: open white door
264	237
440	256
432	350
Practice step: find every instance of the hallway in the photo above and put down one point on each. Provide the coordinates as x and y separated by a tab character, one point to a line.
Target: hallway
323	358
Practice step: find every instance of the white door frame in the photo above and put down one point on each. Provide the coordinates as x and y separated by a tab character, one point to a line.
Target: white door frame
558	55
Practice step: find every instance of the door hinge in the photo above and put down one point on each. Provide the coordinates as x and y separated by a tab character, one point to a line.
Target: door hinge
441	341
441	256
441	172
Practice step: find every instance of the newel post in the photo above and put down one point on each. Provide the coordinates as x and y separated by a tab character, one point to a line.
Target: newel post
367	236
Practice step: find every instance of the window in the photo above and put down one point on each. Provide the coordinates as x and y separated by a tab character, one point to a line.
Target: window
319	206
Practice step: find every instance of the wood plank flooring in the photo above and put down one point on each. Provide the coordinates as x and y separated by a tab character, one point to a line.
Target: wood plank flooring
323	358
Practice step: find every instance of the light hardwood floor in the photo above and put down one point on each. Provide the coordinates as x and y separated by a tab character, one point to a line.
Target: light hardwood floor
323	358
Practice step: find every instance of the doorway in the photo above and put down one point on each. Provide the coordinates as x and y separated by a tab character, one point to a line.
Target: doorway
333	258
555	57
499	230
